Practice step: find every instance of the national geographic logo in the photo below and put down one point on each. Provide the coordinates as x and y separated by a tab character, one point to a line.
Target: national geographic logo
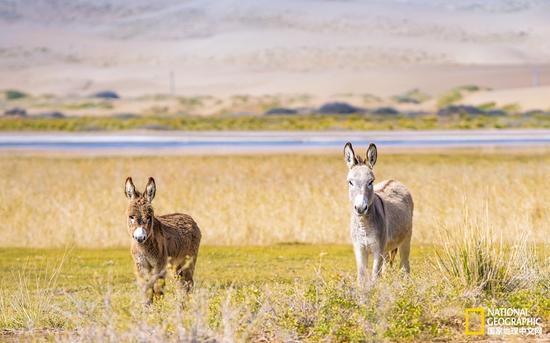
501	321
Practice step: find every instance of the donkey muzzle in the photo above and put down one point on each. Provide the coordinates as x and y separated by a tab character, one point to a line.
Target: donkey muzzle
360	204
140	235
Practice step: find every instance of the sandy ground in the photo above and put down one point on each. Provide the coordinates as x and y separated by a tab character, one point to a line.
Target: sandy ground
285	47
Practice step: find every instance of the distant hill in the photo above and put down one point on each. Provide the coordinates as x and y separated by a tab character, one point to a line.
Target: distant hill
257	47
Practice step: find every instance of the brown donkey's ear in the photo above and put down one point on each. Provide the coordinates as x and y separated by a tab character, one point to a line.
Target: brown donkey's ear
129	188
150	189
372	155
349	155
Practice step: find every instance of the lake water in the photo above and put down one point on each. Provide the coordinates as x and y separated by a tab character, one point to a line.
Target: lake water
258	141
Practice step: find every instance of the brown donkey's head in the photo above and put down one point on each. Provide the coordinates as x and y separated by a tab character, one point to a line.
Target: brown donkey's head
360	178
140	213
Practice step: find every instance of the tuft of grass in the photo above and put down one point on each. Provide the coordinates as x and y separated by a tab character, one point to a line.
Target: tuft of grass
29	305
481	262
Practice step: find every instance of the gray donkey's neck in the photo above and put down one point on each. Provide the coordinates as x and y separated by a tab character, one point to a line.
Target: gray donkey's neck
372	223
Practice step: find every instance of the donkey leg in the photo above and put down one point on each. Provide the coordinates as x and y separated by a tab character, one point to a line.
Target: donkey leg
389	257
158	287
392	256
377	264
185	273
185	276
404	252
361	260
146	284
143	273
158	278
187	280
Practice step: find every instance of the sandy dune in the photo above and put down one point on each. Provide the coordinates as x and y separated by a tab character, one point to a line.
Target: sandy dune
269	47
531	97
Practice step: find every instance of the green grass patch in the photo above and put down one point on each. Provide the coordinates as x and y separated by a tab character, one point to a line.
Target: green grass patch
281	292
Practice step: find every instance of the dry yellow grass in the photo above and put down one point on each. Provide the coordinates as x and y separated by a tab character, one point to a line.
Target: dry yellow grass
247	200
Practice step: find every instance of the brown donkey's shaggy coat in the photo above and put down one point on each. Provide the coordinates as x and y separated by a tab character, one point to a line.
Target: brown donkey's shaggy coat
160	240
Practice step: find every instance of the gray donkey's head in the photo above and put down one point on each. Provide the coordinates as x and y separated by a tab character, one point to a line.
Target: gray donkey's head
360	178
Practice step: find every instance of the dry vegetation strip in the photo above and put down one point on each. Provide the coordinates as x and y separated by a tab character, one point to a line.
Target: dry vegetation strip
276	122
54	201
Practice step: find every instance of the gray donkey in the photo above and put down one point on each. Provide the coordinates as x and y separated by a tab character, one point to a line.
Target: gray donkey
381	218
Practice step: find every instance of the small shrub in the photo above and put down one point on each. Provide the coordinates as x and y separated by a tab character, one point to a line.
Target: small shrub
339	313
12	94
338	108
190	102
449	98
512	108
106	95
487	106
280	110
455	95
413	96
405	319
469	88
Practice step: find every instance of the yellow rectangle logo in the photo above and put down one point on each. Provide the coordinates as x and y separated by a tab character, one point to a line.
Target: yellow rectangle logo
470	312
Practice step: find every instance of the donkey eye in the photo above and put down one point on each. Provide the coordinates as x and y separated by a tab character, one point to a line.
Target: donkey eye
350	183
370	183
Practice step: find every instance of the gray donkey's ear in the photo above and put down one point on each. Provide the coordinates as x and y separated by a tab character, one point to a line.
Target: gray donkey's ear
349	155
150	189
129	188
372	155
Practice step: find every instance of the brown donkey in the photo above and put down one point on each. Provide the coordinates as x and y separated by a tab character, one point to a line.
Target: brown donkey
160	240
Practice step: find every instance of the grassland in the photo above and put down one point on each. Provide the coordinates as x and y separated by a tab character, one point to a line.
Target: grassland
275	293
268	268
274	122
257	200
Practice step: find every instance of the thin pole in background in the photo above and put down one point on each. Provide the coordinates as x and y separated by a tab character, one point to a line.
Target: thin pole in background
535	77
